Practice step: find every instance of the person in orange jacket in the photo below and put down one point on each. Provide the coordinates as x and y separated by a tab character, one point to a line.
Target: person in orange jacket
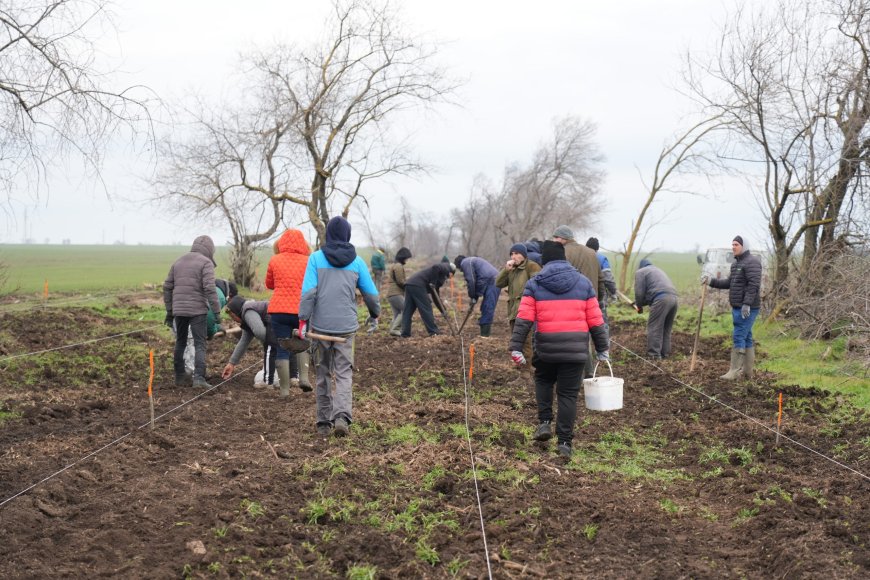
284	275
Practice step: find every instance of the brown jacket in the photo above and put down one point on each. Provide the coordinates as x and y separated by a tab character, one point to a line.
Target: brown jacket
515	282
396	278
586	262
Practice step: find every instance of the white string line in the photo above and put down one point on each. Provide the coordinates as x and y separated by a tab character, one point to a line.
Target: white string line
744	415
465	382
119	439
14	356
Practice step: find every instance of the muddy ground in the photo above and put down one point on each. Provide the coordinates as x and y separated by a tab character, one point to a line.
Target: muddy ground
237	483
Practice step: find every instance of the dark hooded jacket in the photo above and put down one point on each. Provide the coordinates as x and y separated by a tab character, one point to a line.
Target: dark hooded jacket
432	277
396	275
560	304
189	288
744	283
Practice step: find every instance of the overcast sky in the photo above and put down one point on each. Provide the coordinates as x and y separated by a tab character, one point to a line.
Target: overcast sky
616	63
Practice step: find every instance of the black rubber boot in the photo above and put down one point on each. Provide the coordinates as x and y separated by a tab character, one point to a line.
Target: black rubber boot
485	329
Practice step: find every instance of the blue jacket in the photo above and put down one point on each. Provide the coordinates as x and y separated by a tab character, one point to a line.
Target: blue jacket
478	275
329	289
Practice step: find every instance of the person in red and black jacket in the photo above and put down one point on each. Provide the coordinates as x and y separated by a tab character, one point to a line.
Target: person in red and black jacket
560	303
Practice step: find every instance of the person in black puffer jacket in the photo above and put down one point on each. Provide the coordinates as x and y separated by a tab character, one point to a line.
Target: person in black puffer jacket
744	295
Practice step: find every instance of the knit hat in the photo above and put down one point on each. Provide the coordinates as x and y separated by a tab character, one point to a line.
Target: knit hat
520	249
644	263
738	239
338	230
551	250
593	244
403	255
235	305
458	260
564	232
452	267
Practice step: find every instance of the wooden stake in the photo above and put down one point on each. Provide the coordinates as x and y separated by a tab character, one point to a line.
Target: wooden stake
45	290
151	382
698	330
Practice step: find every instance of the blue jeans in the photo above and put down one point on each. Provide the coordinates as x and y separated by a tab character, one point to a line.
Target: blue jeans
282	327
743	327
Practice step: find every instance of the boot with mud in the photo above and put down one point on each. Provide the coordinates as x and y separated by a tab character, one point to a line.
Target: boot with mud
282	367
749	362
303	359
736	370
485	330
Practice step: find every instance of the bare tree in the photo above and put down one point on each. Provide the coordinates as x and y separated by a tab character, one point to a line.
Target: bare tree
791	80
339	96
689	152
561	185
54	97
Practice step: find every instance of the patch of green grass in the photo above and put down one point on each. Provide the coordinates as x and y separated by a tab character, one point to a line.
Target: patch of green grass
221	532
456	565
708	514
432	476
214	567
316	509
590	531
627	454
816	495
7	415
745	514
409	434
362	572
670	506
426	553
253	508
458	430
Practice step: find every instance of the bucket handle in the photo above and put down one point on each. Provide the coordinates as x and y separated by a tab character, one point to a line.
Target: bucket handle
595	368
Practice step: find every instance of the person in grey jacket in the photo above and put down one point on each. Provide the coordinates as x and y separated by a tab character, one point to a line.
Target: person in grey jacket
328	305
652	287
188	293
744	294
253	316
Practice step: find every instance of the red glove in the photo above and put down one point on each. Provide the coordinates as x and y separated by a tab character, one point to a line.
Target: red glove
518	358
303	325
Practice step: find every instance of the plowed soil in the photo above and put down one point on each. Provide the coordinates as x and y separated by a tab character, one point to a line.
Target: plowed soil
237	483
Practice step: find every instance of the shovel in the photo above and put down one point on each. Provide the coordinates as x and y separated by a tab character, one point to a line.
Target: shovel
440	306
698	331
467	316
628	300
296	344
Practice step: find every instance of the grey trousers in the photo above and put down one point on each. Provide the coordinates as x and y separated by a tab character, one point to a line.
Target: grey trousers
397	305
659	326
333	388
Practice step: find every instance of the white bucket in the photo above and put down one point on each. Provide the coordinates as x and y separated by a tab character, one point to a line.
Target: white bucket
603	393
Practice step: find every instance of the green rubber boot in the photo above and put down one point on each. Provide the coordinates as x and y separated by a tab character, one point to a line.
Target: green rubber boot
485	330
749	362
736	370
282	366
303	360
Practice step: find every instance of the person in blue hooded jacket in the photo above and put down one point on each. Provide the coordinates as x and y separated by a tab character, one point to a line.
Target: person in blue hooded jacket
328	306
480	277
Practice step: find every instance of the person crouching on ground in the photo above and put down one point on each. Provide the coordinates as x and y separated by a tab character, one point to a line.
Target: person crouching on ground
480	278
188	294
653	287
253	316
329	306
744	295
560	304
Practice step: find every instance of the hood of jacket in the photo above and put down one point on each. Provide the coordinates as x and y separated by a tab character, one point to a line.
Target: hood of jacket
339	254
205	246
557	276
403	255
293	242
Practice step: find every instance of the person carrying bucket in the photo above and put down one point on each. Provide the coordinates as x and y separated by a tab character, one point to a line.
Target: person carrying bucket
561	305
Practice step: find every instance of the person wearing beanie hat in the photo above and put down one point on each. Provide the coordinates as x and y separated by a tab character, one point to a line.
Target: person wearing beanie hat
253	316
396	289
533	250
189	292
379	266
328	306
516	272
420	289
586	262
744	295
480	279
592	244
284	276
560	307
653	287
607	278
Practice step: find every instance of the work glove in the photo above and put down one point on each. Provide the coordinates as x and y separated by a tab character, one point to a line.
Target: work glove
603	356
303	326
744	312
518	358
169	319
372	323
639	309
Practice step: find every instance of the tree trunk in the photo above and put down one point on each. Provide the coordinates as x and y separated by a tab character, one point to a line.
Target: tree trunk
243	262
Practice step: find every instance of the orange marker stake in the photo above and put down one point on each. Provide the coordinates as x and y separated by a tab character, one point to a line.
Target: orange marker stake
779	419
151	382
471	366
45	290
